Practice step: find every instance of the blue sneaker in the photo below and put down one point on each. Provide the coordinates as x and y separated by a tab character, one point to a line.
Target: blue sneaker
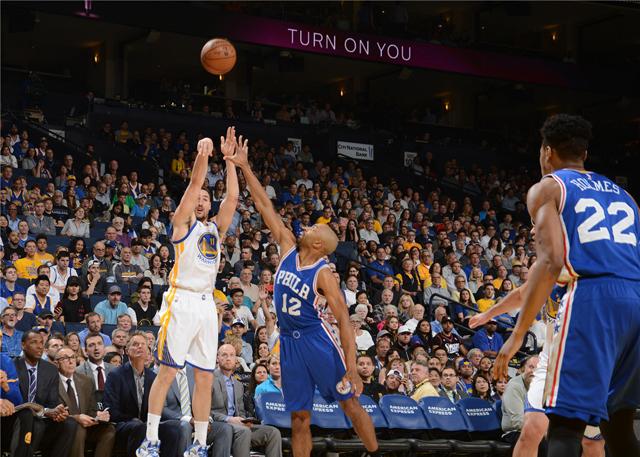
148	449
196	450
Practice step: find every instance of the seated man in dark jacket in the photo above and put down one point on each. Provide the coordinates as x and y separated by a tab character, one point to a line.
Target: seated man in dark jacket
126	394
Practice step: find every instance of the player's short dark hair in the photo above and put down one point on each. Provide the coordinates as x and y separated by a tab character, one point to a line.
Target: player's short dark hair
568	134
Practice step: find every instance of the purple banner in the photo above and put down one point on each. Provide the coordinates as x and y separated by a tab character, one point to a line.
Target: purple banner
395	51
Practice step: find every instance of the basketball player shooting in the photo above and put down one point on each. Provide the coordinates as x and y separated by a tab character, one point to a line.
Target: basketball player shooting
189	321
588	225
310	356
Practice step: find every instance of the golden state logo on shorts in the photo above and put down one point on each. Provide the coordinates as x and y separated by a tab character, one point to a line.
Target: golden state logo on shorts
208	247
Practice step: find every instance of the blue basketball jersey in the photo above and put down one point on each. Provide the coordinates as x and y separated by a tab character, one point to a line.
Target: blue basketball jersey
295	293
601	226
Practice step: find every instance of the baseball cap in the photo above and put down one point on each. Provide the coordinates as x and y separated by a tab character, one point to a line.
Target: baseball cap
114	288
516	263
238	322
71	178
446	319
40	329
141	196
464	362
73	281
110	244
395	373
404	329
92	263
382	333
44	314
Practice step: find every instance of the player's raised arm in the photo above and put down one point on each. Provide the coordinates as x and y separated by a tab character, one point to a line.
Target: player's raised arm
511	302
543	203
183	217
327	284
230	203
283	236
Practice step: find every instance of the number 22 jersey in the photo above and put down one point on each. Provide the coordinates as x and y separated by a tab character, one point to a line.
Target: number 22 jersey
600	225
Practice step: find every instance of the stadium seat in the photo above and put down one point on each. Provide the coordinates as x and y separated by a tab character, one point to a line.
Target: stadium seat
270	410
22	282
59	240
150	328
74	327
498	407
100	227
95	299
327	416
482	420
402	413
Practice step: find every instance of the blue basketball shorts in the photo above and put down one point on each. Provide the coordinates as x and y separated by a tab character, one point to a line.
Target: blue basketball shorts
310	359
594	367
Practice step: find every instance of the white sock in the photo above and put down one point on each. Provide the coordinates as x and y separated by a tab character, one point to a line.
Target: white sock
200	429
153	421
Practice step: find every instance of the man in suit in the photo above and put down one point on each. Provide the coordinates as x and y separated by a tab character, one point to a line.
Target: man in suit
449	387
227	405
95	368
78	395
177	406
126	394
39	381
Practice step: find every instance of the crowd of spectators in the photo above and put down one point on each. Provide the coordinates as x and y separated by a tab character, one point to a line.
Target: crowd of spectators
86	254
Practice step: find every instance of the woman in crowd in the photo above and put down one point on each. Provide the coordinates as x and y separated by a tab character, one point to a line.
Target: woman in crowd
73	306
482	388
78	226
505	288
405	307
156	272
422	335
77	253
113	358
486	364
73	341
153	220
363	338
259	374
391	325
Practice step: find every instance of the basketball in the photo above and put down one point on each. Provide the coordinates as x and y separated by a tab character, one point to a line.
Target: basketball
218	56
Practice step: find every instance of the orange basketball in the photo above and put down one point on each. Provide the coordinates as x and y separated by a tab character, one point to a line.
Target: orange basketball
218	56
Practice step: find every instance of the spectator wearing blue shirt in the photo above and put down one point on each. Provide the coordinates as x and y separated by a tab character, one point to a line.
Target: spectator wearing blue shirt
94	325
9	285
487	340
112	307
13	394
291	195
140	209
379	268
274	382
11	338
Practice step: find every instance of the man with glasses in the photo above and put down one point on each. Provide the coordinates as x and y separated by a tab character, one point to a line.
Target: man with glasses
112	307
448	388
104	266
78	395
11	337
38	379
24	321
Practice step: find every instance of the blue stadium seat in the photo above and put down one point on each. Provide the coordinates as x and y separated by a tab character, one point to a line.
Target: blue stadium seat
107	329
402	413
498	407
74	327
327	415
374	411
58	240
100	227
95	299
153	329
443	418
482	420
23	282
270	410
39	182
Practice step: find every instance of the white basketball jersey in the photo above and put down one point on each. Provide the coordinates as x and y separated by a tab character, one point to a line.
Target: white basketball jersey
197	259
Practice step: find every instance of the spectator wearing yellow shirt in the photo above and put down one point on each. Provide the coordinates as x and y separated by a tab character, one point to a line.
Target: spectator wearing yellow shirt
41	250
27	267
502	275
123	135
178	164
408	279
489	298
411	241
426	260
326	216
420	378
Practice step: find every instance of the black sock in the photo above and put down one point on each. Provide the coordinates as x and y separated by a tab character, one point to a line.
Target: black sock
375	453
565	437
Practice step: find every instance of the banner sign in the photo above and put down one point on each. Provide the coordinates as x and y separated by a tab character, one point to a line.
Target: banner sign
408	158
358	151
289	35
297	144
